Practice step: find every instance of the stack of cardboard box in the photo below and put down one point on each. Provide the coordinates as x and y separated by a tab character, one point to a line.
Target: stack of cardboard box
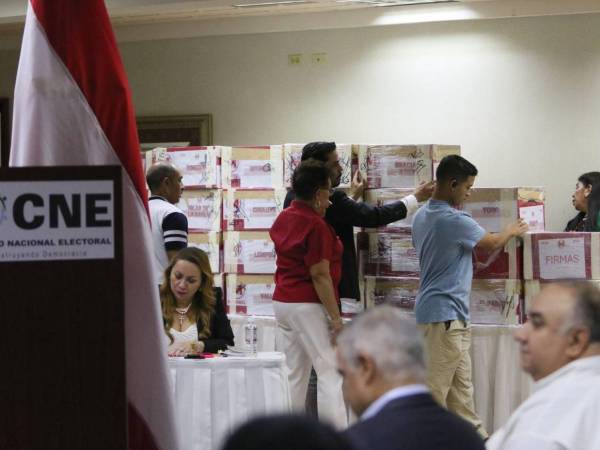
497	292
233	195
253	198
390	262
387	257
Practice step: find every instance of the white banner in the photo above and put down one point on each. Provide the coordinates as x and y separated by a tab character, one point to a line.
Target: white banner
562	258
56	220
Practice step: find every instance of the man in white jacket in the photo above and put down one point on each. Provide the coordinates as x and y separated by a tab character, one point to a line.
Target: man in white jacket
560	349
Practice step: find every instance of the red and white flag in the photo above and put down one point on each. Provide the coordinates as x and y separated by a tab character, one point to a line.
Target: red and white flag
72	106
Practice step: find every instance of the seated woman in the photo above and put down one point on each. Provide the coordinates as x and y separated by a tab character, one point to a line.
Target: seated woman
306	299
193	312
586	200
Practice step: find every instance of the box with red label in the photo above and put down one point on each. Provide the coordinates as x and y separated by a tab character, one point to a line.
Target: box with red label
252	167
400	166
202	208
400	292
200	167
249	252
210	243
292	155
251	209
561	256
495	208
497	302
491	301
250	294
503	263
382	197
388	255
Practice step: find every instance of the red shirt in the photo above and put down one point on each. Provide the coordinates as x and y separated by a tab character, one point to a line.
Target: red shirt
302	239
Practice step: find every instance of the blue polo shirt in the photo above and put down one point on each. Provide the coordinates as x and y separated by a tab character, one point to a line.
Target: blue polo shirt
444	238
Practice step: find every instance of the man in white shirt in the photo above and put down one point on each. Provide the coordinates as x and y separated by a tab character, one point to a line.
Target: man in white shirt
560	349
381	359
169	223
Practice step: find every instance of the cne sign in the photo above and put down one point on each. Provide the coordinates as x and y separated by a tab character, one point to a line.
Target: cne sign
56	220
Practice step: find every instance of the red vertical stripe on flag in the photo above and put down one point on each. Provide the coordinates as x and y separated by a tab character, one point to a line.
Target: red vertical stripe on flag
85	42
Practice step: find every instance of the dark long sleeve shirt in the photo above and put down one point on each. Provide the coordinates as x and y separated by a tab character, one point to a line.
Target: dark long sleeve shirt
344	214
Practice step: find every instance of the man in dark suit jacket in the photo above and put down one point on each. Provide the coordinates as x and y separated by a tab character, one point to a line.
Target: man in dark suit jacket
380	357
345	213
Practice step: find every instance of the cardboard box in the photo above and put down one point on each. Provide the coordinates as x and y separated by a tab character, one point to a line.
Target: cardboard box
381	197
491	302
202	209
561	256
497	302
252	167
399	292
249	252
388	255
400	166
251	209
210	243
495	208
250	294
504	263
199	166
292	154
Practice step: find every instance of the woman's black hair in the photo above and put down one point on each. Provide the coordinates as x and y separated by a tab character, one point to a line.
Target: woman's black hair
592	179
310	176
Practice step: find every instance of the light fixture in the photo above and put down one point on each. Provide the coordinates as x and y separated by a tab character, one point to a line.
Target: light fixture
263	4
396	2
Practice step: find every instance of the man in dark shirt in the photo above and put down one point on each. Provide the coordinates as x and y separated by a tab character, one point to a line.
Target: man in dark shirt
345	213
381	358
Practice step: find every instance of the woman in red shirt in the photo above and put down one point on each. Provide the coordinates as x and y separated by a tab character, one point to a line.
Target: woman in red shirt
306	300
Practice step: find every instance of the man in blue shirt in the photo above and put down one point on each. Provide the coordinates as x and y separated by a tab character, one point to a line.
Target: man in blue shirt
444	238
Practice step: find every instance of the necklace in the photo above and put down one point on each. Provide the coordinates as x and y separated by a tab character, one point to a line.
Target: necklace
182	313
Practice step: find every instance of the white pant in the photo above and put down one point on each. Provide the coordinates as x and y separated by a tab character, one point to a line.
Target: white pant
303	335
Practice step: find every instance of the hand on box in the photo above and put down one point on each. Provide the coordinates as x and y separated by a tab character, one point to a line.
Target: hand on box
424	191
357	186
518	228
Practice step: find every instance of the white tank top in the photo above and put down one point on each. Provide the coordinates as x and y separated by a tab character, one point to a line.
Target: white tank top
190	334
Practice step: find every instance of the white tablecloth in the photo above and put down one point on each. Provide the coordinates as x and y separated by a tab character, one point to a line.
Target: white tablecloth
213	396
499	384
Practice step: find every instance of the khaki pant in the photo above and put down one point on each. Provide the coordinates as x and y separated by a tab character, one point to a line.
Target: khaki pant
449	368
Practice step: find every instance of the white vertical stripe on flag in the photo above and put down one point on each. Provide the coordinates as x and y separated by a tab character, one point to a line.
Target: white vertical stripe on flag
54	125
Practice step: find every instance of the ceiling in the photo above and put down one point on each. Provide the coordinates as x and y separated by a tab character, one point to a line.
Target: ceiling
158	19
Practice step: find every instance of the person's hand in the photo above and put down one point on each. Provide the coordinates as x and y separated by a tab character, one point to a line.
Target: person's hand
518	228
357	186
424	191
335	326
185	347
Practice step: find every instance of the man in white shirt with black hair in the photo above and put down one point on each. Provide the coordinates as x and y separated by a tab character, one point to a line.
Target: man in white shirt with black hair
169	223
381	359
560	349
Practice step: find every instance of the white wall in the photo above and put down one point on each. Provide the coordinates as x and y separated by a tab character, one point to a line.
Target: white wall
522	96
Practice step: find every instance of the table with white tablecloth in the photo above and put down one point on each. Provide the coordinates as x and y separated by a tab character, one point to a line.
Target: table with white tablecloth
213	396
498	382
